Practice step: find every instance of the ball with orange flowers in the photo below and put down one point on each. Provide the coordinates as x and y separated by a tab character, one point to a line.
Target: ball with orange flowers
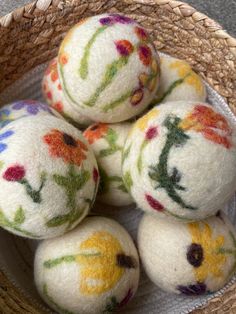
108	68
48	177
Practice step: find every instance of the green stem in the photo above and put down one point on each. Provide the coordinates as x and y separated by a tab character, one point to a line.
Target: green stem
117	102
7	223
169	90
56	306
34	194
66	259
140	157
83	70
159	172
110	73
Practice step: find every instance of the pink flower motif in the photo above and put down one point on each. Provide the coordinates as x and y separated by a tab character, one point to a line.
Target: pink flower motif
151	133
155	204
124	47
145	54
95	175
126	299
14	173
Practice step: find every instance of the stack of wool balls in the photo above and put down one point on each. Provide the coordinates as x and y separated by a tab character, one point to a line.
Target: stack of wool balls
177	163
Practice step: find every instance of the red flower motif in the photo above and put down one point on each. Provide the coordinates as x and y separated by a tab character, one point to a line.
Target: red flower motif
151	133
145	54
141	33
14	173
95	175
58	106
155	204
124	47
49	95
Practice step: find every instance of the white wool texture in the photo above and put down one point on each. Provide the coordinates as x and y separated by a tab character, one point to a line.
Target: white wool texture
108	68
191	258
179	82
24	108
107	142
87	283
54	96
48	177
180	160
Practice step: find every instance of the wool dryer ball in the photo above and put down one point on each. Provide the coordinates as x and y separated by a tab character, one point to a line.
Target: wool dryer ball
107	142
179	82
48	177
180	160
92	269
54	96
191	259
108	68
24	108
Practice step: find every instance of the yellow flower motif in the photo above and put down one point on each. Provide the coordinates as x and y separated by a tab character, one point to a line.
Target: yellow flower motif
212	258
103	263
142	123
184	70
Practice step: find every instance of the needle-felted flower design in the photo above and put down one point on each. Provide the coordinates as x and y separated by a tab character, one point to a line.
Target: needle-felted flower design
107	141
128	55
204	254
100	262
210	123
4	136
174	147
65	146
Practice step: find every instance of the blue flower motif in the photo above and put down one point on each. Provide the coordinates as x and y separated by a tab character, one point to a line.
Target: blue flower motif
3	136
4	113
32	107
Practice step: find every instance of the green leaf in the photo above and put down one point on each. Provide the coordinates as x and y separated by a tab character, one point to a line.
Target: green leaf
57	261
58	221
126	153
122	188
19	216
128	181
81	179
111	136
104	181
3	221
107	152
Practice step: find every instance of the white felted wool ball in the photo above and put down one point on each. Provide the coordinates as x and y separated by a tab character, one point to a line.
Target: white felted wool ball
179	82
92	269
180	160
48	177
54	96
23	108
193	258
108	67
107	142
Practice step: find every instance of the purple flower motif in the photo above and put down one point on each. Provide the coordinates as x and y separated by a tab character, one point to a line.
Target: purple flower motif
32	107
121	18
197	289
115	18
107	21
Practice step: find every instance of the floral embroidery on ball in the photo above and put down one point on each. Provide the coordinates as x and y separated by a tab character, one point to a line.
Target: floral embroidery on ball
151	133
4	136
95	175
115	18
32	107
141	33
136	97
145	54
52	70
114	305
17	173
197	289
206	253
95	132
155	204
211	124
142	122
63	145
124	47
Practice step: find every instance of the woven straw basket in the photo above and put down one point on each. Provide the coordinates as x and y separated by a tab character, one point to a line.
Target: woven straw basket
30	36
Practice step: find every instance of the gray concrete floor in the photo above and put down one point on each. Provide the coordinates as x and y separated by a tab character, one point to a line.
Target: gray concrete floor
223	11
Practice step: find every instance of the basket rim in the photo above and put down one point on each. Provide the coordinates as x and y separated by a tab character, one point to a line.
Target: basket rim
39	8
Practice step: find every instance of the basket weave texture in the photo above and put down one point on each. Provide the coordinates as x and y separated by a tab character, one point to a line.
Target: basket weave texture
30	36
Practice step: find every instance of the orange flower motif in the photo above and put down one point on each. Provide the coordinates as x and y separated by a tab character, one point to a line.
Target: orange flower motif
145	54
211	124
95	132
52	70
63	59
63	145
141	33
124	47
58	106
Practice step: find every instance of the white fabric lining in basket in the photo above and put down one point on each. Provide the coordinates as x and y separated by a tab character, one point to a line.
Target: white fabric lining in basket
16	254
